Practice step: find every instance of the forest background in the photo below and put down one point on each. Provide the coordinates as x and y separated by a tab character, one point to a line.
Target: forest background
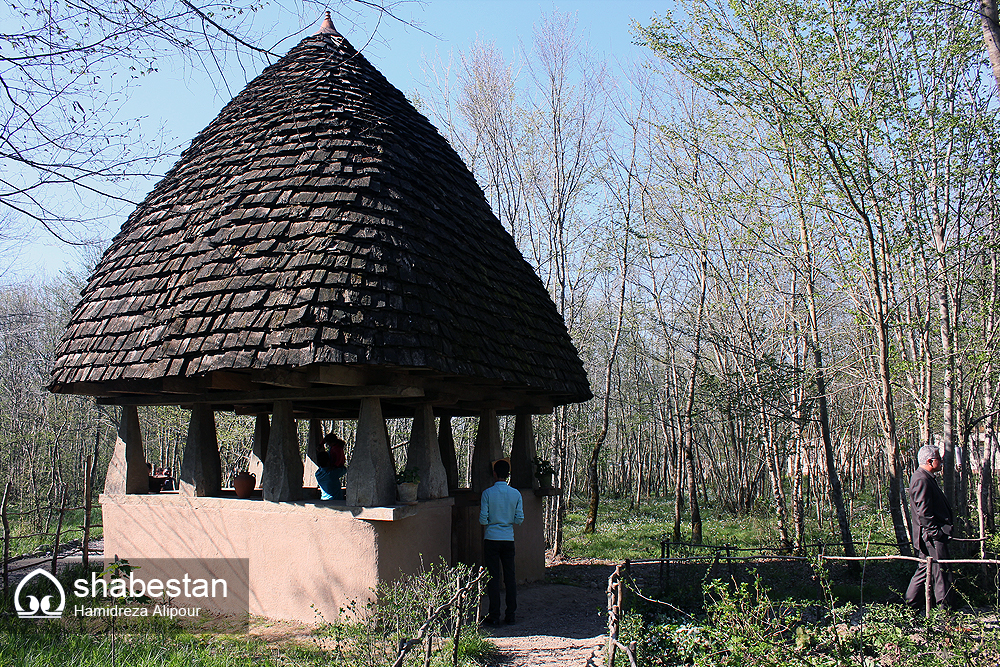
774	243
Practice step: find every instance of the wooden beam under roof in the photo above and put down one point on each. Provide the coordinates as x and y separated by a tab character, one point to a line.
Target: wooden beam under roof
270	395
280	377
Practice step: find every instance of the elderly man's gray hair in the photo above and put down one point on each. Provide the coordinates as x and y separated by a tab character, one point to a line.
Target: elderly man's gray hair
926	453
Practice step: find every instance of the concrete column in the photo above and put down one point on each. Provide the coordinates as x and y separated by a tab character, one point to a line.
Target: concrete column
261	434
201	468
282	477
371	473
424	453
522	454
446	443
127	471
309	466
488	449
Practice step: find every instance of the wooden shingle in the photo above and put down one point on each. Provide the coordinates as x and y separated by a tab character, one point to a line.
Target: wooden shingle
319	219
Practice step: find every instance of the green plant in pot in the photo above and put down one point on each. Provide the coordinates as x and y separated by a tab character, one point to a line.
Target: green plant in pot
407	483
544	472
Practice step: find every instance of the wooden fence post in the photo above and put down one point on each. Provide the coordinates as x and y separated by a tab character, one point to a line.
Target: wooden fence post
928	574
87	492
614	612
6	537
62	513
667	565
458	620
663	548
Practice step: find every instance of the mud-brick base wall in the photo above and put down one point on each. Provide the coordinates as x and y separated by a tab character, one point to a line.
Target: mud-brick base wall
307	558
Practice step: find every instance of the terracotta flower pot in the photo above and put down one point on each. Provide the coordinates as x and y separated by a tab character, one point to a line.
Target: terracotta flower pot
244	484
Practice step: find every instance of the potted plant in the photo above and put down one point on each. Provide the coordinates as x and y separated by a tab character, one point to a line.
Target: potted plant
407	482
544	472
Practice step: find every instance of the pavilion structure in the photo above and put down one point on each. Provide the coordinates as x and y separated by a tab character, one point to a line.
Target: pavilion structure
319	252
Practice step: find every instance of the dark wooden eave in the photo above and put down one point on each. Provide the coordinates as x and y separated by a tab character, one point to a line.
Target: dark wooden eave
321	391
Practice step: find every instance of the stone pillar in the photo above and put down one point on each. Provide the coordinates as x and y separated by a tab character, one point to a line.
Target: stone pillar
127	471
371	473
488	449
201	468
261	434
446	443
309	466
424	453
522	454
282	477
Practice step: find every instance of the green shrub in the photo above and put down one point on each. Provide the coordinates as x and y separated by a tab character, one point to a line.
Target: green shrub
371	633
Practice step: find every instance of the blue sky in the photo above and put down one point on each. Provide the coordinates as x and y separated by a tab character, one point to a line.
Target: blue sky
182	100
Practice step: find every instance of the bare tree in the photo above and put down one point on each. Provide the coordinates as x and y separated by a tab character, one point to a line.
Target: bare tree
67	150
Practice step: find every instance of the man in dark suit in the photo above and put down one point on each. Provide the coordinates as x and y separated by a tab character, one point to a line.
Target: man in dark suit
931	524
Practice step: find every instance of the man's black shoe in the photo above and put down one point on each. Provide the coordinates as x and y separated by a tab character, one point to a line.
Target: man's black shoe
490	621
509	620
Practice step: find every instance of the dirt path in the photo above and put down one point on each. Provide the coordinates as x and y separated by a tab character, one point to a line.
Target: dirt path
559	624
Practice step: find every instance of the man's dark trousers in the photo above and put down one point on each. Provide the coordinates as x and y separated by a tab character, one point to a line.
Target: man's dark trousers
499	554
940	577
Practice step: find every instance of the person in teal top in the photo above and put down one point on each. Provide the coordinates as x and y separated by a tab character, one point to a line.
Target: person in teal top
500	509
331	465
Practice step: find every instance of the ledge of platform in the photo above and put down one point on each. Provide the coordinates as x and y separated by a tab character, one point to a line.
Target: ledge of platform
258	504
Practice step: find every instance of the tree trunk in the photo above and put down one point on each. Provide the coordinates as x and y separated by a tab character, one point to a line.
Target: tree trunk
991	34
689	435
595	488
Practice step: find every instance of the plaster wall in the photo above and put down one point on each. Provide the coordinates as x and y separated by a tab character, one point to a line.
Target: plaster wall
529	539
305	556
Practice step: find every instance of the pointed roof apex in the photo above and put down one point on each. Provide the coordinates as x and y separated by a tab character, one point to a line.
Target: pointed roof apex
327	27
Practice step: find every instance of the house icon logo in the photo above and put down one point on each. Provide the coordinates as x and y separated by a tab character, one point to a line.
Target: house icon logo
32	607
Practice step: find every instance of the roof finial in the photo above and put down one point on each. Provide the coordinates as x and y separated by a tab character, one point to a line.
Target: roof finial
327	27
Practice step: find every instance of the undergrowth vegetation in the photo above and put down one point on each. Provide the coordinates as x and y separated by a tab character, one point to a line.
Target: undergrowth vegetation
775	612
744	625
368	634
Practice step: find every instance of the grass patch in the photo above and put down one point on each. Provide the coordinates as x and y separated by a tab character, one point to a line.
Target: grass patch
624	531
397	614
72	529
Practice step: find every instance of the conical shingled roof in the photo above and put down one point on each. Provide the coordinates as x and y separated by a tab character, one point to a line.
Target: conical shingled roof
318	220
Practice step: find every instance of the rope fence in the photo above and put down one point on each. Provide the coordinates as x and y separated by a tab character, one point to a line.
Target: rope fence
62	508
772	553
619	582
620	585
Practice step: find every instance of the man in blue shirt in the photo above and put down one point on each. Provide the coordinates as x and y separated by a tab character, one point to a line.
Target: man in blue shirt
500	509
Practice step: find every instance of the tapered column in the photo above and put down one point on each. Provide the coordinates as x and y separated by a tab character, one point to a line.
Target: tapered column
487	450
446	444
127	471
424	454
282	478
261	434
371	472
522	454
310	466
201	468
